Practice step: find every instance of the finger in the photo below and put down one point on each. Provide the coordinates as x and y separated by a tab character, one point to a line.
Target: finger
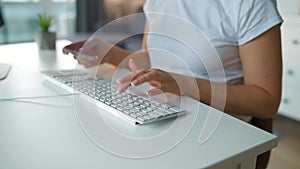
149	76
65	51
123	87
91	64
87	65
133	66
155	91
155	83
125	79
131	77
82	61
73	46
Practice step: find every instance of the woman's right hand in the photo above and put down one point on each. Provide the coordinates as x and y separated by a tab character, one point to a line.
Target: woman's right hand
95	48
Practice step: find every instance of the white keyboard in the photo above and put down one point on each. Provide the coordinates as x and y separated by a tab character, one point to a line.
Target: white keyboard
130	107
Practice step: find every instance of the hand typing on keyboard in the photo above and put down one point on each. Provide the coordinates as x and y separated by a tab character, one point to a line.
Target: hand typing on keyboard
162	81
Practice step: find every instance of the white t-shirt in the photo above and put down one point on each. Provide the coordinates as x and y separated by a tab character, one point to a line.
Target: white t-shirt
191	36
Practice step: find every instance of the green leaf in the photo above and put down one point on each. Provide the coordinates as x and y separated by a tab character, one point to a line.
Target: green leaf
45	21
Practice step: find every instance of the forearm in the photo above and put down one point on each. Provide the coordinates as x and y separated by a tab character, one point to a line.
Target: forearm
251	101
119	57
116	55
246	100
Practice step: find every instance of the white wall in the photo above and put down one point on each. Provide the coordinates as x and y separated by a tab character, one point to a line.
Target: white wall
289	6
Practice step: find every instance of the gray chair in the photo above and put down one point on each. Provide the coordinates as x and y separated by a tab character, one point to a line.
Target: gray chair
1	18
267	125
2	26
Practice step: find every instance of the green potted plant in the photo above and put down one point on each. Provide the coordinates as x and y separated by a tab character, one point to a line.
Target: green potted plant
44	38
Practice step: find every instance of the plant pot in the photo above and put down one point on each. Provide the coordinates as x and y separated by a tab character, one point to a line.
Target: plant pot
45	40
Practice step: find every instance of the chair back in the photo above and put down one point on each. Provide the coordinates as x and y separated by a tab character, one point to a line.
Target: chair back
267	125
1	17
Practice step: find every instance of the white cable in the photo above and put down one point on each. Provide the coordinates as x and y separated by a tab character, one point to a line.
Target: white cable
38	97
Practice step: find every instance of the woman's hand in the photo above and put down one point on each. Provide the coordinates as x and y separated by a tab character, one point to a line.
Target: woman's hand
161	80
96	49
74	46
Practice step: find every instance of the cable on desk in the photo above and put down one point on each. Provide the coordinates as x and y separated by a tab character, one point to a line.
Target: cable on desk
38	97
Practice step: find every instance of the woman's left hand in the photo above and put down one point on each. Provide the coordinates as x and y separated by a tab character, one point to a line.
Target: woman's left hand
161	80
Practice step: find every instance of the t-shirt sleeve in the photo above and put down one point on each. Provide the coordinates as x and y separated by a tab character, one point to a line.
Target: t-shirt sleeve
146	6
256	17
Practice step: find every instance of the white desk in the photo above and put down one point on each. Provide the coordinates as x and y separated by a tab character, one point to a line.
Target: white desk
34	136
